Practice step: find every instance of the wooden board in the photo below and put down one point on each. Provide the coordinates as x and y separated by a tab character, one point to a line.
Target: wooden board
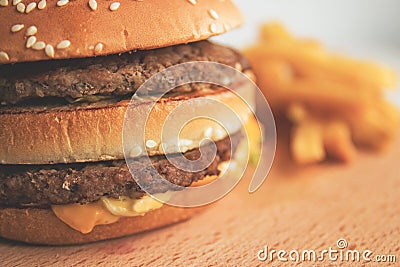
308	208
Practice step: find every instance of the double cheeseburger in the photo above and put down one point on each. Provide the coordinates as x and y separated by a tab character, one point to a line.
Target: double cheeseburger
68	72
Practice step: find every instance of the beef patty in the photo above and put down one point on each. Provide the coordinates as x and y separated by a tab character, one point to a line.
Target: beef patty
93	79
44	185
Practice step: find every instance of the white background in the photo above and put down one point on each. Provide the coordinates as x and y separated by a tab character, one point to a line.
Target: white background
368	29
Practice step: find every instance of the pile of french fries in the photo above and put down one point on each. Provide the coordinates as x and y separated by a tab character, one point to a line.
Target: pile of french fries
335	104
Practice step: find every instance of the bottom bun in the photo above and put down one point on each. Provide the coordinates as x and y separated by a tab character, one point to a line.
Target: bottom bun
41	226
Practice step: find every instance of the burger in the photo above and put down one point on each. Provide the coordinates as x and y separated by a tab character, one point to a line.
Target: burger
68	72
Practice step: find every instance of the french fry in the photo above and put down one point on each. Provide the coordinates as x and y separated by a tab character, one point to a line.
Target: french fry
275	32
338	141
363	72
333	102
309	62
375	126
307	137
274	74
335	135
307	143
296	113
314	93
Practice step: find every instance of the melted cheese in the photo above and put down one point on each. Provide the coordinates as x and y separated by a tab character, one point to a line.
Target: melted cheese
206	180
133	207
254	136
84	218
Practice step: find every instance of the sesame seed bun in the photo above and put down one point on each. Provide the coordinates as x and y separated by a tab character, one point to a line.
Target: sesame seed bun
41	226
94	133
77	30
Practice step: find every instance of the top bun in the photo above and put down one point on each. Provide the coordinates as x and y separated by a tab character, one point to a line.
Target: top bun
90	28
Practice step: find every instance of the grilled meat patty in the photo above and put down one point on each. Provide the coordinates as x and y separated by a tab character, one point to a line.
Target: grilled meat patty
91	79
44	185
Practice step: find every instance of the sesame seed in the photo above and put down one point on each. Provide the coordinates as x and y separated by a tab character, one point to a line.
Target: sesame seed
30	41
193	2
226	80
17	27
4	57
62	2
21	7
32	30
3	2
185	142
63	44
42	4
114	6
196	35
49	50
136	151
208	132
16	2
30	7
213	28
93	4
213	14
219	134
98	48
39	45
238	66
91	47
224	167
151	143
163	148
226	27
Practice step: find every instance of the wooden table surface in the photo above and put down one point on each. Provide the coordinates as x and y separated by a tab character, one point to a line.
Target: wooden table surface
307	208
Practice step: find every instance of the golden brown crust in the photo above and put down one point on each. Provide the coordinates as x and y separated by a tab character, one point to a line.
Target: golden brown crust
41	226
134	25
94	134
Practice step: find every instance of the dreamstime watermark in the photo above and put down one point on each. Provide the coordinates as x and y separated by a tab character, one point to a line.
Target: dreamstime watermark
339	253
157	118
